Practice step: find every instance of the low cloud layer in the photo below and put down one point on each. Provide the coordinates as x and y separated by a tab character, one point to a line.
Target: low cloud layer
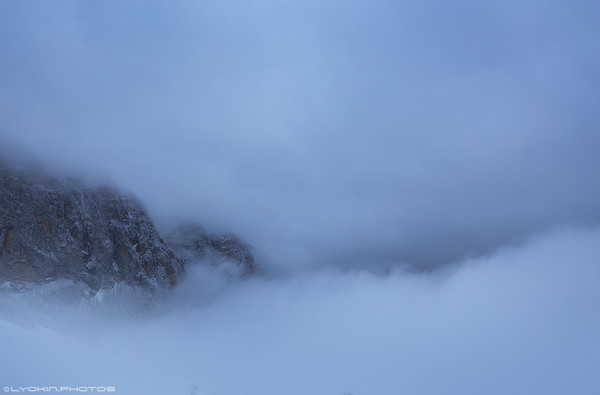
349	143
324	133
522	321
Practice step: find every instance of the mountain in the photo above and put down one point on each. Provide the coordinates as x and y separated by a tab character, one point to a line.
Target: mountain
52	229
193	244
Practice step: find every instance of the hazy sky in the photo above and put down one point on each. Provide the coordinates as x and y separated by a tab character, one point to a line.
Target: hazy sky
323	132
330	135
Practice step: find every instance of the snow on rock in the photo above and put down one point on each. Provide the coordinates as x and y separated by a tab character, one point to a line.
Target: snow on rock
53	229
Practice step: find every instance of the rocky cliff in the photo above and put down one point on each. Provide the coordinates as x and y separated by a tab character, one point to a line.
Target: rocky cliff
54	229
193	244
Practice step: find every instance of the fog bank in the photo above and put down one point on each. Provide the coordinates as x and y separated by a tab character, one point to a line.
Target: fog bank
324	133
522	321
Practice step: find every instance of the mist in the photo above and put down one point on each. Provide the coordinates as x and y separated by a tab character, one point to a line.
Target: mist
419	182
521	321
320	132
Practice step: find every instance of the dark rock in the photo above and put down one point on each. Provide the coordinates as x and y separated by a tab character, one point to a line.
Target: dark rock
193	244
52	229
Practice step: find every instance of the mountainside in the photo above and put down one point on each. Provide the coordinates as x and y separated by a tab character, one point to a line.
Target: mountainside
192	244
54	229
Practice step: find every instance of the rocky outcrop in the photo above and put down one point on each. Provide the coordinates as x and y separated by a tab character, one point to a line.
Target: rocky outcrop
193	244
51	229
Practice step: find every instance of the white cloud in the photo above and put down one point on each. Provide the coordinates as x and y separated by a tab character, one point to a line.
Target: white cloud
320	131
521	321
342	140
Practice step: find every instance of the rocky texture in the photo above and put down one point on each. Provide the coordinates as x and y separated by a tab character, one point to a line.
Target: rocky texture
51	229
193	244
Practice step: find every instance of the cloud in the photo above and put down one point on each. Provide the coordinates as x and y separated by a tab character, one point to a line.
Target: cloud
347	142
521	321
321	132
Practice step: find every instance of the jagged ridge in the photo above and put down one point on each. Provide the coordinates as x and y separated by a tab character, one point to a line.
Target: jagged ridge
193	244
54	229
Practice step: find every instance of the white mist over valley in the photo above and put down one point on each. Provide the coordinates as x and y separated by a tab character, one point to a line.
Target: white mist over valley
412	186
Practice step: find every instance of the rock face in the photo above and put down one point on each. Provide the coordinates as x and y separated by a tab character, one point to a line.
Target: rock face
192	244
54	229
61	230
